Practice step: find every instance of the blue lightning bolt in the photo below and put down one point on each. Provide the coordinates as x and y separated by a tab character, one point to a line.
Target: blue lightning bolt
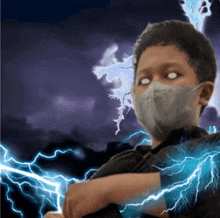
116	71
194	10
49	187
145	140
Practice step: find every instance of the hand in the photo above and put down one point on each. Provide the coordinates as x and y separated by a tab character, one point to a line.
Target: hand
53	215
84	198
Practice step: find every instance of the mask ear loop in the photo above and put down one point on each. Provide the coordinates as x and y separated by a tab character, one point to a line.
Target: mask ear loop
196	87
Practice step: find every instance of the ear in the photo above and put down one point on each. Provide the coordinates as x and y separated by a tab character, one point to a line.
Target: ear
207	90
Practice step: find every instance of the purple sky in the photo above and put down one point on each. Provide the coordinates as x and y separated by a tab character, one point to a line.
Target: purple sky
47	79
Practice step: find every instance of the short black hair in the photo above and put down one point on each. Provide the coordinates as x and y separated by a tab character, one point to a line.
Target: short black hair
196	45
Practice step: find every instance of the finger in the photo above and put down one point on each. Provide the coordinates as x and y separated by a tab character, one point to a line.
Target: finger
53	215
64	209
69	210
75	213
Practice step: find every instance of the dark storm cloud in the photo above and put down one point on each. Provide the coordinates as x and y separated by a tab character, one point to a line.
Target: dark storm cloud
47	66
24	142
20	138
43	71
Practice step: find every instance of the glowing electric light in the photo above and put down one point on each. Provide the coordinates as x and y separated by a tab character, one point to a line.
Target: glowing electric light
49	187
194	10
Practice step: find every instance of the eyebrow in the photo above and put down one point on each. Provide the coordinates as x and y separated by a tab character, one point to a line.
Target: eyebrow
163	66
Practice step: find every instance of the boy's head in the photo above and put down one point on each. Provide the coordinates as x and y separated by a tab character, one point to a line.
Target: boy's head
175	41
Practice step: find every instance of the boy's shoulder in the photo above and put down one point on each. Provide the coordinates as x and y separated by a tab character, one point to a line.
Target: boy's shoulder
207	143
212	138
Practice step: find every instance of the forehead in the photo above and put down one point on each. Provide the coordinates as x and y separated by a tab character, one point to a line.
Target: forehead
162	66
162	57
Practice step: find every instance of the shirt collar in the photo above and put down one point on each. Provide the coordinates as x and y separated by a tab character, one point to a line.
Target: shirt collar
175	136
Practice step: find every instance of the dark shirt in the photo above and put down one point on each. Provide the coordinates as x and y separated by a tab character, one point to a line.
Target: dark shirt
190	140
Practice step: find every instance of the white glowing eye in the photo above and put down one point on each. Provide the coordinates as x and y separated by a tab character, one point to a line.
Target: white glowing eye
172	75
145	81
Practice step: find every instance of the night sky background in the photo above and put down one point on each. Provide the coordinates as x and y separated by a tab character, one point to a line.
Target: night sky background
51	99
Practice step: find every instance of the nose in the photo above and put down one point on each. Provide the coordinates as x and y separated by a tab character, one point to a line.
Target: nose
156	78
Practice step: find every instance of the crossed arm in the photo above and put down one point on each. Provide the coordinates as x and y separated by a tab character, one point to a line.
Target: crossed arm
93	195
126	188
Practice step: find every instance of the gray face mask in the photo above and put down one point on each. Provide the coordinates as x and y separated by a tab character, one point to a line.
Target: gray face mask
163	108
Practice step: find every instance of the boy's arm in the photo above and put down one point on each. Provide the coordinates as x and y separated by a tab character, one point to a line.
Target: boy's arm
128	187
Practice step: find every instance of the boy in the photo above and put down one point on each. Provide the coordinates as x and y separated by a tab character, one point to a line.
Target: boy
174	75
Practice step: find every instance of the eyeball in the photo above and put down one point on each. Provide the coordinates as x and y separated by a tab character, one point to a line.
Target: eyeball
145	81
172	75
